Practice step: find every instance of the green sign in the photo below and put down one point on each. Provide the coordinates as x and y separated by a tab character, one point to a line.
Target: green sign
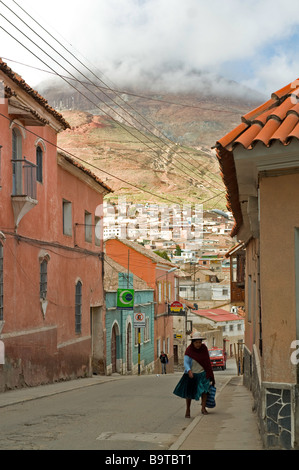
125	298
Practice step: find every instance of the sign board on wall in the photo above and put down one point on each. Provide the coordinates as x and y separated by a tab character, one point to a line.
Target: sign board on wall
125	298
176	308
139	320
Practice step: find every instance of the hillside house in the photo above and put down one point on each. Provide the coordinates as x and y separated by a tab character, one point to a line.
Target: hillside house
158	274
259	161
51	286
218	319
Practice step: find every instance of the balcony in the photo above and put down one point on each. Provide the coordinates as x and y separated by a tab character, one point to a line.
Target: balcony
23	188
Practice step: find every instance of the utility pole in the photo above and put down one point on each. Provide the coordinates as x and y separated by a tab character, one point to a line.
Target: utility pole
194	282
128	269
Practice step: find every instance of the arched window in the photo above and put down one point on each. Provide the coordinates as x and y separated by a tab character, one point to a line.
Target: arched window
43	279
16	144
39	164
78	307
17	166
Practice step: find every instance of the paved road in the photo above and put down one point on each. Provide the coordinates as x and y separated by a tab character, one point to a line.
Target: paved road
132	413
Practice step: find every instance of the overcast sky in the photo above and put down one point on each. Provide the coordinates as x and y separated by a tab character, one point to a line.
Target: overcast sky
161	42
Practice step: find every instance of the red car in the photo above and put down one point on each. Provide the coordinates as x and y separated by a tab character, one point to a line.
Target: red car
218	358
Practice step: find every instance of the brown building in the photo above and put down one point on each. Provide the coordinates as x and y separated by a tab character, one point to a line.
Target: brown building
259	161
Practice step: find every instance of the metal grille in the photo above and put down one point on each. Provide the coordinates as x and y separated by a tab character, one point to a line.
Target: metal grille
39	164
78	307
24	178
43	279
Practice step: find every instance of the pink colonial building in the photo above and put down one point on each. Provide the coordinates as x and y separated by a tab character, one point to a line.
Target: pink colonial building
51	266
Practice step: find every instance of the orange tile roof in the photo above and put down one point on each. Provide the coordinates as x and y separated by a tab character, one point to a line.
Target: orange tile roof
276	120
34	94
273	120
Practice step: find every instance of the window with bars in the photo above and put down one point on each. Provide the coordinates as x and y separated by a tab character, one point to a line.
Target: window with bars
78	307
67	217
146	333
1	282
88	226
43	284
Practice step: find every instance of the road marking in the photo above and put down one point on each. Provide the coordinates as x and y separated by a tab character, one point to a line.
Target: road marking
156	438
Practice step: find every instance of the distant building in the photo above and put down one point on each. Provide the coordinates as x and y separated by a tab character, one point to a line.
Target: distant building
158	274
230	325
121	354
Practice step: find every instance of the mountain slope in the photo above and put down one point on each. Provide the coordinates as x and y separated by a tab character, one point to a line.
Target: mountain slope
160	143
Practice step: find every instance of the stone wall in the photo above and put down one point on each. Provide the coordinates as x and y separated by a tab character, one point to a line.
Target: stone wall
274	404
278	416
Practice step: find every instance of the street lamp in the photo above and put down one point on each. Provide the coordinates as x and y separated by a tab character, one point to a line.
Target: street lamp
167	272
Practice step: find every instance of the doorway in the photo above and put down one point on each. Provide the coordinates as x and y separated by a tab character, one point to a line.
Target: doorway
97	340
129	348
113	349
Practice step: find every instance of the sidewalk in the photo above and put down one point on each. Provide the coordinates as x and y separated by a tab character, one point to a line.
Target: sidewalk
33	393
231	425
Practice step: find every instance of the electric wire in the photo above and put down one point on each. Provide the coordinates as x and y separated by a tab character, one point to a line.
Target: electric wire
83	160
67	152
161	156
113	110
124	92
90	71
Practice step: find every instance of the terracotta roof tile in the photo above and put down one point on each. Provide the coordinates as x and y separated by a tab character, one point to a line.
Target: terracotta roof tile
285	128
258	111
266	133
34	94
262	118
246	138
276	120
267	123
231	136
294	133
285	90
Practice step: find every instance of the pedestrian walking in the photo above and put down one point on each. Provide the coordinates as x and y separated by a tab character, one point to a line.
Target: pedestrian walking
164	361
198	374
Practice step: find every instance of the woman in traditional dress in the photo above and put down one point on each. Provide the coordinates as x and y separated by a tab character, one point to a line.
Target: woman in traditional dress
198	374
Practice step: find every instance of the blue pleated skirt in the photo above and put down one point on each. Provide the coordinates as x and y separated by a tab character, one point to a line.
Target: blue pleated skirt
192	388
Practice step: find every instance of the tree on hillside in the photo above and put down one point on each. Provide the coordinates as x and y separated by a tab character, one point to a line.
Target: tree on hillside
178	250
163	254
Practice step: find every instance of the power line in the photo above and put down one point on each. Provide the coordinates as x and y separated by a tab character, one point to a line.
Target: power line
84	95
124	92
96	167
107	87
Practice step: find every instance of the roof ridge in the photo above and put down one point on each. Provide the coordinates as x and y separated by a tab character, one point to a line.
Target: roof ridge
33	93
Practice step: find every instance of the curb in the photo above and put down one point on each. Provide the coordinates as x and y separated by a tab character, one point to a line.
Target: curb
177	444
28	394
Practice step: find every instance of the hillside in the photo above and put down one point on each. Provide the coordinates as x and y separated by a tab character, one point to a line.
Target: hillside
172	157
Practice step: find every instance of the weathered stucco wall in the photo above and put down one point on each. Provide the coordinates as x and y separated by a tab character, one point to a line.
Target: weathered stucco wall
279	216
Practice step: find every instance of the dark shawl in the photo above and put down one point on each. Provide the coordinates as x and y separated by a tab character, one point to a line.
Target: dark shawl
202	356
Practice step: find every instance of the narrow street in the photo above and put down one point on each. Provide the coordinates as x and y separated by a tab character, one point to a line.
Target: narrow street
130	413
